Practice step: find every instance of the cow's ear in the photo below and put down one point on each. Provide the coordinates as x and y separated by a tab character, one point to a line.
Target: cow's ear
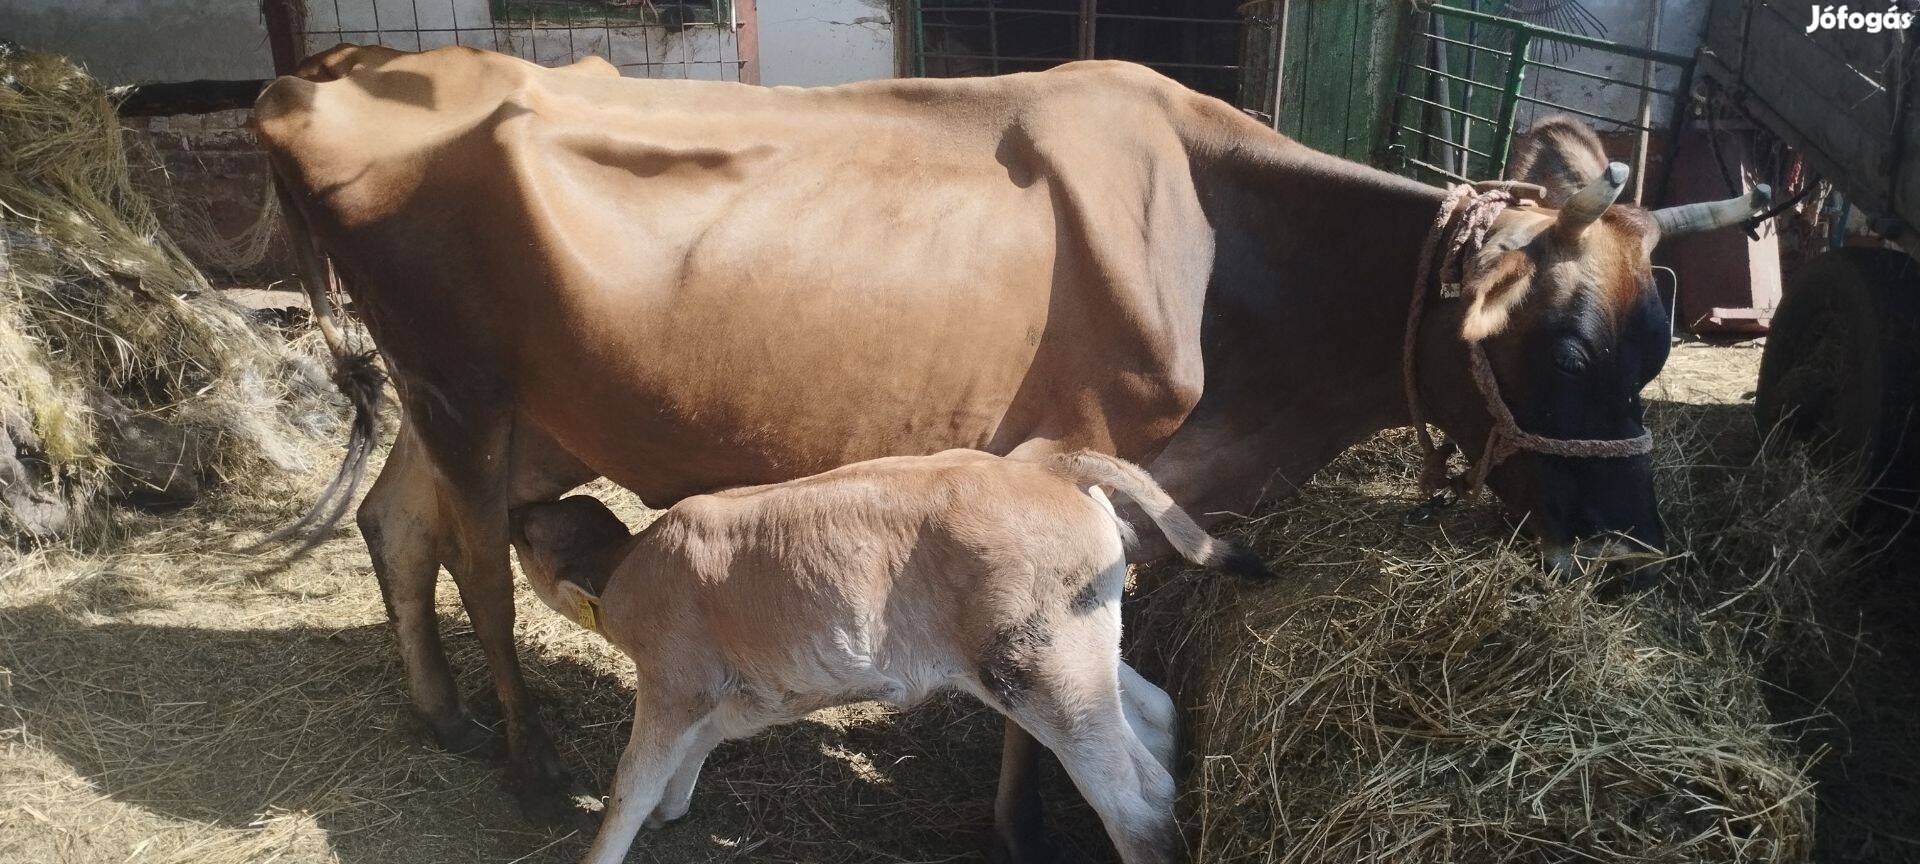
1499	275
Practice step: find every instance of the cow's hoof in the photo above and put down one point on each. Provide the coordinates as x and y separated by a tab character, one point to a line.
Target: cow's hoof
557	806
457	732
1026	849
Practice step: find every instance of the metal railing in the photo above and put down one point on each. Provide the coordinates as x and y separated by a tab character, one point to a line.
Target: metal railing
1463	84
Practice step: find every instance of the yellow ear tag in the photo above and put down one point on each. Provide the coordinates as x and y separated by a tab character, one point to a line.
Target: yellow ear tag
587	612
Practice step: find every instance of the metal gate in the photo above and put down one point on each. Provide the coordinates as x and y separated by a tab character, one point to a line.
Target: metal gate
1464	87
703	39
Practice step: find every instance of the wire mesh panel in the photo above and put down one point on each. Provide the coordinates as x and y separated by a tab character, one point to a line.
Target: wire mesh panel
1195	42
1469	79
700	39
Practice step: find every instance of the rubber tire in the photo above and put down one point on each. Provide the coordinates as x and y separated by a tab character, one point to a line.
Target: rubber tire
1841	371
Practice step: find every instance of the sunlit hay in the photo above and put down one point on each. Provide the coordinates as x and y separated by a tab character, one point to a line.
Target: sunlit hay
100	310
1412	694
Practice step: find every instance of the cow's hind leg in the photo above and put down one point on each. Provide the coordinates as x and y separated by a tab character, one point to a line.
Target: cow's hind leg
405	532
476	476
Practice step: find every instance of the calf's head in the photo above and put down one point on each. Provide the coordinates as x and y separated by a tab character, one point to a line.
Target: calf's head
1561	299
568	549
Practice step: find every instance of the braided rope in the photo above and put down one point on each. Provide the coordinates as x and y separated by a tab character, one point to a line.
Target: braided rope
1461	226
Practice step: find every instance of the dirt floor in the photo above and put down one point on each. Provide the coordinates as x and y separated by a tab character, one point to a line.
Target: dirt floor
173	699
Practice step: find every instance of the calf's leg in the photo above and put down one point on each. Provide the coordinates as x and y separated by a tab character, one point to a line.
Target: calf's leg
678	798
666	731
1151	714
1071	701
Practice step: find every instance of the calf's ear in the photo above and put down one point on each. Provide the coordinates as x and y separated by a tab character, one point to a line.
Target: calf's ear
1498	277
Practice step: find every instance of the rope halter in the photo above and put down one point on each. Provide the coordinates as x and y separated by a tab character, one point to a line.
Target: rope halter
1459	231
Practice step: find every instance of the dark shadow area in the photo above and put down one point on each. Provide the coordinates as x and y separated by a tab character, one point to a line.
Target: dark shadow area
1848	693
222	725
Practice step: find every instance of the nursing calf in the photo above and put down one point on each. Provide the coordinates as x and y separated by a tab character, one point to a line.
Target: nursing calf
884	580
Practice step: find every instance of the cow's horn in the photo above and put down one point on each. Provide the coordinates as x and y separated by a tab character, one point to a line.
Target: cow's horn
1586	205
1708	215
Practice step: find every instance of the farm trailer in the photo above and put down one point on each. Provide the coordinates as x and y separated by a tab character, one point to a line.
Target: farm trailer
1842	360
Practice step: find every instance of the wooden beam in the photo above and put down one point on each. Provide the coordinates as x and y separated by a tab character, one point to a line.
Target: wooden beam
286	32
746	44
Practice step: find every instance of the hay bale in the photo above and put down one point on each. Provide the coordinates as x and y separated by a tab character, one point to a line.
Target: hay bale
123	375
1426	694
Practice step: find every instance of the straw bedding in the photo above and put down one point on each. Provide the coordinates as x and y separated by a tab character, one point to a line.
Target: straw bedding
123	375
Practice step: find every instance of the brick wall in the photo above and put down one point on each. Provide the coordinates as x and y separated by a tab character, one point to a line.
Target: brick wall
215	186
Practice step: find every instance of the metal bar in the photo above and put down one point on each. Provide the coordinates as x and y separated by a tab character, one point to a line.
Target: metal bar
1445	75
978	10
1481	48
1280	61
1535	31
1644	117
1087	22
1587	114
1437	170
1148	63
919	47
1447	108
1169	18
993	35
1447	142
946	56
1509	98
1585	74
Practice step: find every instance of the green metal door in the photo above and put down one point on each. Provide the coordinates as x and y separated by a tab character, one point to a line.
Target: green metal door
1322	71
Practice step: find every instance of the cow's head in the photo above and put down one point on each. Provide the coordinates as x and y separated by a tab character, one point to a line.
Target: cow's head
1561	298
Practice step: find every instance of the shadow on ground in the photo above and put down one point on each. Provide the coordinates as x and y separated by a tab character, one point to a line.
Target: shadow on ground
220	726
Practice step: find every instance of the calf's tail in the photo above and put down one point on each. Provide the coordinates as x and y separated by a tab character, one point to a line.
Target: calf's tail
1087	468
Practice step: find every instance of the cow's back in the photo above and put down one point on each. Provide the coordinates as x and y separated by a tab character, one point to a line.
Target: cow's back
691	285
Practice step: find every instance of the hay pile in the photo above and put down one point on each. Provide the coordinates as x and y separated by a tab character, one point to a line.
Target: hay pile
123	376
1424	694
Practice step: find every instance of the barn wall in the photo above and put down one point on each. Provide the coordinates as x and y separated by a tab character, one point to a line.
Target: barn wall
1681	24
124	42
812	42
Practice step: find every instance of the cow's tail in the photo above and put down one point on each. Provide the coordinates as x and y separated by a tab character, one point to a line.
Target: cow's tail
356	373
1087	468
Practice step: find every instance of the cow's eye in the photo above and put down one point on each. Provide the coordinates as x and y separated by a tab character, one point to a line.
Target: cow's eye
1570	357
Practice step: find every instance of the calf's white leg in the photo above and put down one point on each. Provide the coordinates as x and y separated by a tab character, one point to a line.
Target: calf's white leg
660	743
1150	712
678	797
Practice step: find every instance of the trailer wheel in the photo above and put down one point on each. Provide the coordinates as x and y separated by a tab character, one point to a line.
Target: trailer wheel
1841	372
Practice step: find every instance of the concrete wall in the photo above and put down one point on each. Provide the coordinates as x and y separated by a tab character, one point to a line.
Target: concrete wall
803	42
1682	23
127	41
811	42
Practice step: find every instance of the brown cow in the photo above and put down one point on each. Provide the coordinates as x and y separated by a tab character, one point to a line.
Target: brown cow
885	580
686	286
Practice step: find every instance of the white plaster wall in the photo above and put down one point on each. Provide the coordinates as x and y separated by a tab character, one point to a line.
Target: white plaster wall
1682	24
128	41
814	42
